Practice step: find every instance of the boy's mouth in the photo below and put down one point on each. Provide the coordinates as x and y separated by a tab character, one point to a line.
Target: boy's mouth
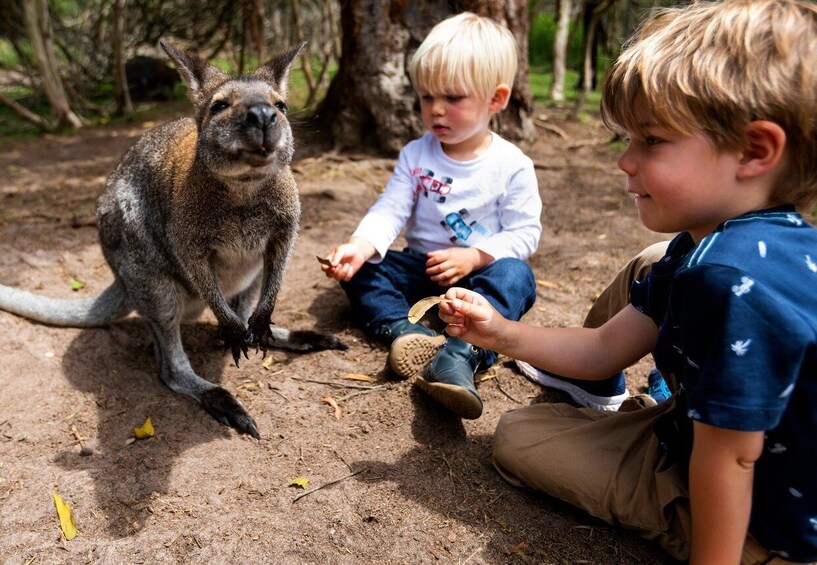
439	128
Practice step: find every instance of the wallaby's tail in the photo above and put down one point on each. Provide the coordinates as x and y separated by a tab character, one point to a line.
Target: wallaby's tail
98	310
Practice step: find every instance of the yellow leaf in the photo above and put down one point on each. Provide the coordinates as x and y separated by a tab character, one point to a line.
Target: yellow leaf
302	482
331	402
422	306
145	431
69	529
268	362
546	284
357	377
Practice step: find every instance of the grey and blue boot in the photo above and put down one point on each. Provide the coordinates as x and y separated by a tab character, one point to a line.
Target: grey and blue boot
449	379
412	347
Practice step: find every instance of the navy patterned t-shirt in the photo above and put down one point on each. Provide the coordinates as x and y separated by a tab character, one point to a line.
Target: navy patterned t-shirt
737	318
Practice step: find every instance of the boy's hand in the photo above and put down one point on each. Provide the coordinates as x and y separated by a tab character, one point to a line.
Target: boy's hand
345	260
471	317
448	266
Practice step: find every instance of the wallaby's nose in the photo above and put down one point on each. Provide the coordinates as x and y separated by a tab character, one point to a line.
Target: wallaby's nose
261	116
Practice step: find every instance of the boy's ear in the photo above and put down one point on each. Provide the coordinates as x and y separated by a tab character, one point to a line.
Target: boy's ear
764	150
500	98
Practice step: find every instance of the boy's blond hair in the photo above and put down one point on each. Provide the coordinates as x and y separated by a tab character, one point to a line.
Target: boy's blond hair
465	54
713	67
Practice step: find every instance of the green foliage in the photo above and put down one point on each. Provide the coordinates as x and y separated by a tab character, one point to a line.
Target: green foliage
541	37
540	80
8	57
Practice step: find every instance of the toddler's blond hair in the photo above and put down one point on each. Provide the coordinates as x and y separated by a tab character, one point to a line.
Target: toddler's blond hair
713	67
465	54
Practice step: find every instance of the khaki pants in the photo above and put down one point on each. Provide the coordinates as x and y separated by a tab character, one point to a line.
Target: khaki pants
607	463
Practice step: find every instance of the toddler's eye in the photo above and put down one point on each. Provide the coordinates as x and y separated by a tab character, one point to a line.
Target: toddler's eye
651	141
454	97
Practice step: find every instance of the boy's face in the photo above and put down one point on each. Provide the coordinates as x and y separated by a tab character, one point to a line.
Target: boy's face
680	182
458	120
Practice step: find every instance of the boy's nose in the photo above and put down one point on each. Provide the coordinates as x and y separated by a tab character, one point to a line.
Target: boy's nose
437	108
626	162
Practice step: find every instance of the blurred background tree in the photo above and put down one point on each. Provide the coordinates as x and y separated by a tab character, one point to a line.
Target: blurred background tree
69	63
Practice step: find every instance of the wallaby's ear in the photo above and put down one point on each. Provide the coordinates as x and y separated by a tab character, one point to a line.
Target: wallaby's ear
276	71
198	74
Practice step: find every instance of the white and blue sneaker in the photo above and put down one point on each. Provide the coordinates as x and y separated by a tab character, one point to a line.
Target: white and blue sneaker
607	394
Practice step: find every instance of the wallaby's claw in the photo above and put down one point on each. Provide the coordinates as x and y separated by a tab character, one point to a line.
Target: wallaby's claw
261	335
227	410
235	342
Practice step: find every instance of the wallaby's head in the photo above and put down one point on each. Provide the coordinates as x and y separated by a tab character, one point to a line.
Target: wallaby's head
244	133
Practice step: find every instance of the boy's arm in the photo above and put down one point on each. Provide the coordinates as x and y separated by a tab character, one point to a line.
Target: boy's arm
583	353
721	471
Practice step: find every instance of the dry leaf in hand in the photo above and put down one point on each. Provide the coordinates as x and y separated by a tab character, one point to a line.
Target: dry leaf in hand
422	306
69	529
357	377
302	482
331	402
323	261
145	430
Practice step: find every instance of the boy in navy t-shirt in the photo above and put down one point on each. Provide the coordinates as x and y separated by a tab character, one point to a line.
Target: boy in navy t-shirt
718	102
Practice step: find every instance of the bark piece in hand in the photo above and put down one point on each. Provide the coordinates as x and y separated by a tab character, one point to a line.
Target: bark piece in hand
422	306
323	261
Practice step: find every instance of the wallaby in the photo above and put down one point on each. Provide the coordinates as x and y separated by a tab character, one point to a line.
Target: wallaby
201	211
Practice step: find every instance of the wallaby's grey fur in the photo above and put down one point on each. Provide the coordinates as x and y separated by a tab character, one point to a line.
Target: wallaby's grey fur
202	211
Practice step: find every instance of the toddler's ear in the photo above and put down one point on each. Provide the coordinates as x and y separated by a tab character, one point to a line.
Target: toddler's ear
764	150
500	98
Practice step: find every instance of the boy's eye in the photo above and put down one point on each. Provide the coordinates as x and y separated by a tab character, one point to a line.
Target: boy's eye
651	141
454	97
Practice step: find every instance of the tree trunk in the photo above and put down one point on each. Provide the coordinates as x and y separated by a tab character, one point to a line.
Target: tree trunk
371	104
40	35
557	88
124	105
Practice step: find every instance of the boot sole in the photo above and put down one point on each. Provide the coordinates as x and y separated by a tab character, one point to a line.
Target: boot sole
453	397
410	354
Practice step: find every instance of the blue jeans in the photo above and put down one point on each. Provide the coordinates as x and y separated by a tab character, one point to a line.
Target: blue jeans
383	293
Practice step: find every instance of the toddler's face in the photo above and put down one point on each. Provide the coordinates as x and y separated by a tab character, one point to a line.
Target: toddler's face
458	120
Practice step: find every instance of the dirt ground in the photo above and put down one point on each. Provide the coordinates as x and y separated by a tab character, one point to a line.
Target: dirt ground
414	484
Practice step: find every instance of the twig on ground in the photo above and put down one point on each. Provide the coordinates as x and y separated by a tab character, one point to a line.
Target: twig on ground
553	129
503	391
472	555
361	392
334	384
588	142
329	484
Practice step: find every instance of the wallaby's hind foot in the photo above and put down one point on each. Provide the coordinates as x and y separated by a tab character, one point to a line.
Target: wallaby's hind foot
226	409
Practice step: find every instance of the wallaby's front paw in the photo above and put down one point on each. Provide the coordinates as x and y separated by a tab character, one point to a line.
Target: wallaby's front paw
226	409
261	334
235	341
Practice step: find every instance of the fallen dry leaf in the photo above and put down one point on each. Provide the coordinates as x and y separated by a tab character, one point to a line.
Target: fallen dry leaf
422	306
145	430
331	402
268	362
546	284
323	261
69	529
302	482
357	377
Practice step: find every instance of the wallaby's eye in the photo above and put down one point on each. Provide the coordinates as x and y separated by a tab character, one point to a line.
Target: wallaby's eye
281	105
218	106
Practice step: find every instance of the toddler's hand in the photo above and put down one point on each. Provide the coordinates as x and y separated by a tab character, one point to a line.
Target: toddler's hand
448	266
344	261
471	317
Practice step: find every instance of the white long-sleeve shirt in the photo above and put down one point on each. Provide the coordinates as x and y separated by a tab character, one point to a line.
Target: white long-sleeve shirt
491	203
